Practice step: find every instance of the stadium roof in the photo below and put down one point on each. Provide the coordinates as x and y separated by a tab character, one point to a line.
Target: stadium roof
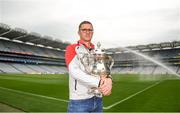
22	35
149	47
37	39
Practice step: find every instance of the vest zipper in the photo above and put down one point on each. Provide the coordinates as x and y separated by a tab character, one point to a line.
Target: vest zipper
75	87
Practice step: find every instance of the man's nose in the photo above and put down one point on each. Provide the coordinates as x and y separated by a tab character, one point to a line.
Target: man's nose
88	31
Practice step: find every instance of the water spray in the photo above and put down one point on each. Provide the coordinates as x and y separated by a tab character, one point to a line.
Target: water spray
152	60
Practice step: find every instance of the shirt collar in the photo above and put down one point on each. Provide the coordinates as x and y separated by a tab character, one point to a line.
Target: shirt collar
82	42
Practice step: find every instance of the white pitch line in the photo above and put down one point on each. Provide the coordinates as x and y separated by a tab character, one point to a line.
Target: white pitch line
62	100
116	103
32	94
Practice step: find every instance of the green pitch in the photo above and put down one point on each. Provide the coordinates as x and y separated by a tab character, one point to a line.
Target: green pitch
131	93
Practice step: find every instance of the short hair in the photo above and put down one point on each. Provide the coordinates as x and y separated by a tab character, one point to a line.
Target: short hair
84	22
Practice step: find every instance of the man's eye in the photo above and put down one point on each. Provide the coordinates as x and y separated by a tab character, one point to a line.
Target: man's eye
86	30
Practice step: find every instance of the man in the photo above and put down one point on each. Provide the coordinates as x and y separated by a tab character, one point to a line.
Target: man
79	81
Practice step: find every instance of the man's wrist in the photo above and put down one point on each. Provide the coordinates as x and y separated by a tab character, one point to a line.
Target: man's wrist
109	76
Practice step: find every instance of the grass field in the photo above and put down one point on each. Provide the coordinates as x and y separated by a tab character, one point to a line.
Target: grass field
131	93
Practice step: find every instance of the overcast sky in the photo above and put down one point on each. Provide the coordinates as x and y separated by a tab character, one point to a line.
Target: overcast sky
116	22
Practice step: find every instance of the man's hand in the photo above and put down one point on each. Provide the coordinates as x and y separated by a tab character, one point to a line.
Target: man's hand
105	86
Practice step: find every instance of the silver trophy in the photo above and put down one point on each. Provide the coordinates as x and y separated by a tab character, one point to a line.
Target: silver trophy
96	63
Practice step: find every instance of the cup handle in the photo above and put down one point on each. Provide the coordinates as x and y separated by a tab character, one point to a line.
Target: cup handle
112	62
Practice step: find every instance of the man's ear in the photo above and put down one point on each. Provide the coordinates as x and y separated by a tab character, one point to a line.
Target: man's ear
78	32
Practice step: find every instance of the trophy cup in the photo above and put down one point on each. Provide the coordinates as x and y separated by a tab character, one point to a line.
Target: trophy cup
96	63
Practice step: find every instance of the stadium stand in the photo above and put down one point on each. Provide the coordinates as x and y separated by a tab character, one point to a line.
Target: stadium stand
23	52
167	53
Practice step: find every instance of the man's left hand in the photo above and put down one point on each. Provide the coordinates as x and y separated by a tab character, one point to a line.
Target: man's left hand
106	86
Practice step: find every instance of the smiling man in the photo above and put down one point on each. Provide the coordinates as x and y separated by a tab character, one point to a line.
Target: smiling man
80	81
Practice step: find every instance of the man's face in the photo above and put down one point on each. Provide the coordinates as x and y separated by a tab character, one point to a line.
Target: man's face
86	32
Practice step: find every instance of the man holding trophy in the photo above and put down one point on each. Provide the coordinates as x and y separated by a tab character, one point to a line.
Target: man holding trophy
89	72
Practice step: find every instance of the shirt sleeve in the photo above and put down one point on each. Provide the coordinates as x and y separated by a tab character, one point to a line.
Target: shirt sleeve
78	74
